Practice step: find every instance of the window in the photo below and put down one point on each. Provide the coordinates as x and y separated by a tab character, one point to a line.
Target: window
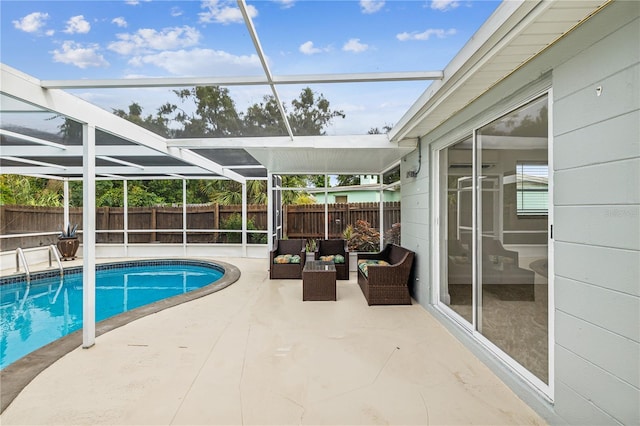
532	189
341	199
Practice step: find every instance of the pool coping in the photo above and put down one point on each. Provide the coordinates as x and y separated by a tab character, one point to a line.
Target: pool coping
20	373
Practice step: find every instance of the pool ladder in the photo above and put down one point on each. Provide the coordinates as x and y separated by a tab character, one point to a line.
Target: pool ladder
20	257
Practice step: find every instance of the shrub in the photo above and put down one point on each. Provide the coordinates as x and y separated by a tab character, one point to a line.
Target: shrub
235	222
362	237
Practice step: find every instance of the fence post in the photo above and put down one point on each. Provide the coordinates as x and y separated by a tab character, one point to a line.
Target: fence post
153	224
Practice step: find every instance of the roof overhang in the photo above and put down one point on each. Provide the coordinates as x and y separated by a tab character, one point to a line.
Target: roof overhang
350	154
515	33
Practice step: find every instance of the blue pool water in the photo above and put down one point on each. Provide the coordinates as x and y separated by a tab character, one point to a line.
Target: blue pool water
49	308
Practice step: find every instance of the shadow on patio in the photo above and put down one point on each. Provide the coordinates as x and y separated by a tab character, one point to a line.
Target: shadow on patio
255	353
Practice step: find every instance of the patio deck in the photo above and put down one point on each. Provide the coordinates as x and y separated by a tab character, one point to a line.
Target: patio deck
255	353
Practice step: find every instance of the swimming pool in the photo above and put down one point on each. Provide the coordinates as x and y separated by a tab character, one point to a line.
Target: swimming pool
50	307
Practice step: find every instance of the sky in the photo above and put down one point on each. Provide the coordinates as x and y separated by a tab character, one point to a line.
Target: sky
161	38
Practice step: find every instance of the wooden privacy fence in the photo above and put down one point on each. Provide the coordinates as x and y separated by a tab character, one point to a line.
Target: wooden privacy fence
307	221
300	221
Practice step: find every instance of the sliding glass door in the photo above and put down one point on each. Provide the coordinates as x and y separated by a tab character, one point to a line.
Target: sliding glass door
494	240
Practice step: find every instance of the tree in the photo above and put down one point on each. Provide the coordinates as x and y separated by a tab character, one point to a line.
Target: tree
30	191
376	131
311	115
264	119
215	114
227	192
158	124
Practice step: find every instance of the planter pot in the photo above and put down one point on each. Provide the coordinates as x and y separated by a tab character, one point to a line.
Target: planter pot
353	261
311	255
68	248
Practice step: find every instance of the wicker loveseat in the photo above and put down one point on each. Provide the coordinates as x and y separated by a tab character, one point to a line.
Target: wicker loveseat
386	282
290	268
328	249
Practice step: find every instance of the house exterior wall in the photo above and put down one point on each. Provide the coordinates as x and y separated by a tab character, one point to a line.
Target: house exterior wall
358	196
596	209
597	221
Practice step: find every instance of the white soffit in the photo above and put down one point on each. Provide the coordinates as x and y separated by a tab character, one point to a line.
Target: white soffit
516	32
348	154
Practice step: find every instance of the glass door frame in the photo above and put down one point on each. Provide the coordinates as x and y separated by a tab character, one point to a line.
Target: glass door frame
438	260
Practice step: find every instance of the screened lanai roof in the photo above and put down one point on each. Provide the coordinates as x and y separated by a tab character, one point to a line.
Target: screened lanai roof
33	109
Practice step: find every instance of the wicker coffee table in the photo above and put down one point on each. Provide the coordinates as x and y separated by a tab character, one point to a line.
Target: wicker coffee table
319	281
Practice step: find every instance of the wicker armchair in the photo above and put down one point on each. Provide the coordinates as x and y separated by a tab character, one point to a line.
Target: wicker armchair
333	247
287	270
389	284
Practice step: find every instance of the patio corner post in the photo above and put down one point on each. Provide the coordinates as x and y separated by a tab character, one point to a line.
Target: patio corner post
244	219
88	235
184	217
65	189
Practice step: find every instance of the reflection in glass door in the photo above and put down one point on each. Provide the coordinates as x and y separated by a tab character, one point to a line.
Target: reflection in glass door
456	198
494	236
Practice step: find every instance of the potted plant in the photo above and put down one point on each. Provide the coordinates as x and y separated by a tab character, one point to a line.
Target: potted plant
68	242
311	248
360	237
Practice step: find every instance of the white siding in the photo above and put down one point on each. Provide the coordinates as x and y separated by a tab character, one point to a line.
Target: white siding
415	220
597	220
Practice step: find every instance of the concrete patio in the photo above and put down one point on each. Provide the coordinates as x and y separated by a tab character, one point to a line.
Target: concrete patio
255	353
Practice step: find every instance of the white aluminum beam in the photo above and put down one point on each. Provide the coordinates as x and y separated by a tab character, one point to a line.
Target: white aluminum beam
136	83
32	139
76	151
263	60
112	170
89	237
33	162
343	142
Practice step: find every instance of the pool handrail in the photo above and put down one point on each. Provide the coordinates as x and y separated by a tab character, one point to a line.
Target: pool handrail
53	249
20	256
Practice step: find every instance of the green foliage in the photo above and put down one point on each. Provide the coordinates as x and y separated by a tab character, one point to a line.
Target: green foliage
215	114
227	192
311	114
392	235
234	221
139	197
158	124
69	232
362	237
348	180
30	191
376	131
311	245
264	119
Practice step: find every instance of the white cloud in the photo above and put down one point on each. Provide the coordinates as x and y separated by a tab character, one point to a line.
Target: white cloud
286	4
425	35
354	45
309	49
119	21
444	4
371	6
147	39
32	22
82	56
176	11
203	61
224	12
77	25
